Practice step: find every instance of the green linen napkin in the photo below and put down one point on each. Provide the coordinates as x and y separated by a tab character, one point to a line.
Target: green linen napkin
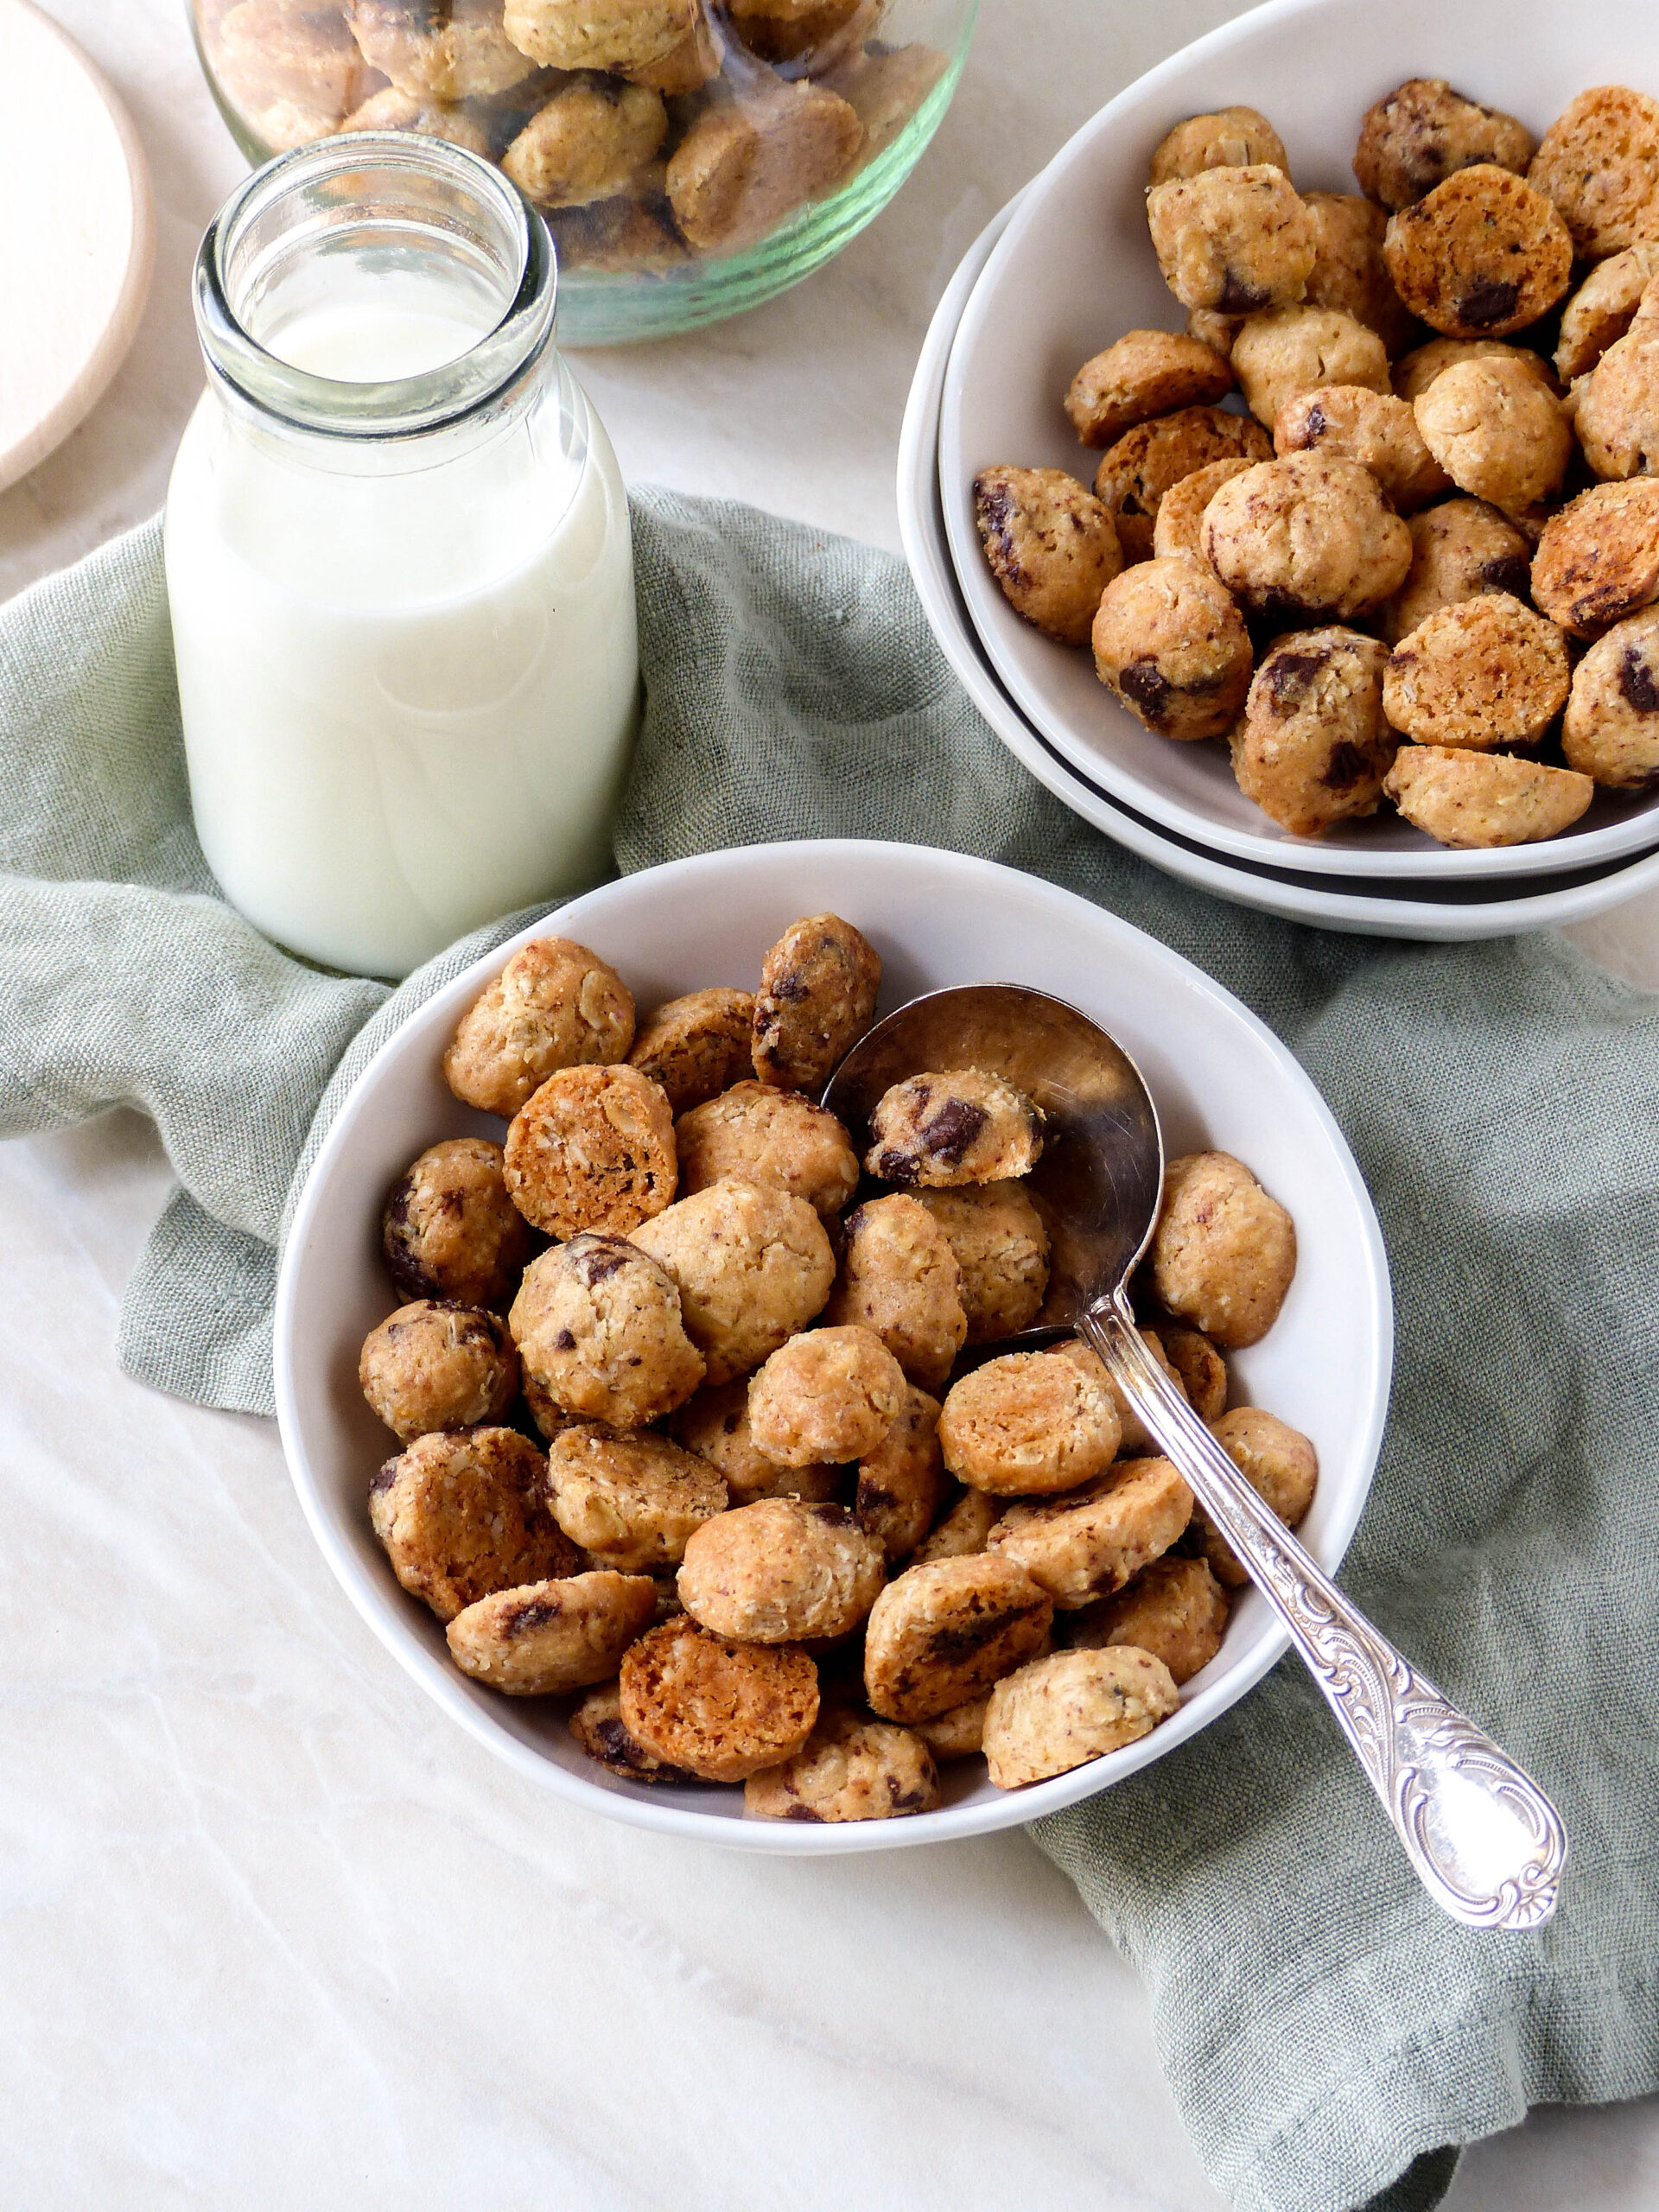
1330	2038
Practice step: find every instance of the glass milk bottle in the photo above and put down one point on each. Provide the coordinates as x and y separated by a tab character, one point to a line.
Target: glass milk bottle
398	560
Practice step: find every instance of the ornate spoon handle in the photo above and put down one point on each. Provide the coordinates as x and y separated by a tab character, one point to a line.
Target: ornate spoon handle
1487	1844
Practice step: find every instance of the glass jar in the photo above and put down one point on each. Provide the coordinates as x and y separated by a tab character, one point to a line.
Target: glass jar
398	560
693	156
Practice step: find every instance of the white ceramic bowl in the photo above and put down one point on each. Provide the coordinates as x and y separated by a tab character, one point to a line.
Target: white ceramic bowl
1075	269
1439	912
1219	1078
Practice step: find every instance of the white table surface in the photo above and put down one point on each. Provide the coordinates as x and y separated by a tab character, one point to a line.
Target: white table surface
274	1933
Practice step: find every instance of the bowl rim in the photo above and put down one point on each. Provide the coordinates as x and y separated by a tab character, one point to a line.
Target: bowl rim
639	1809
1634	834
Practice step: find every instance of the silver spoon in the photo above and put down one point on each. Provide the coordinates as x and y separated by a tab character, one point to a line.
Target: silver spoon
1485	1842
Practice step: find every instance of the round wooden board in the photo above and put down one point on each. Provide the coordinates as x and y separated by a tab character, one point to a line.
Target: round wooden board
77	248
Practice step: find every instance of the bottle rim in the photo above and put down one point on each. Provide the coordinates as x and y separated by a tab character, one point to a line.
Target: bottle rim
489	372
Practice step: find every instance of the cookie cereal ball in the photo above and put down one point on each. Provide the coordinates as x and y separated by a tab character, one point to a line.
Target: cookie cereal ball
1415	371
716	1425
598	1727
848	1769
463	1515
1149	461
430	1366
554	1005
1617	415
1135	1440
591	1149
1178	532
813	32
963	1532
1314	747
1599	162
587	142
598	34
1474	800
1610	730
1458	550
1307	536
884	90
1224	1252
449	53
1603	308
752	1265
1497	431
450	1231
1215	331
695	1046
832	1394
1144	374
738	171
1001	1247
1099	1537
718	1709
1598	559
755	1134
1485	673
1061	1712
958	1734
550	1417
1348	271
943	1632
1350	423
1290	350
1423	132
1051	546
898	1277
1279	1463
686	67
900	1482
552	1636
1169	641
1200	1366
1030	1423
391	110
1174	1608
598	1326
779	1571
1483	254
1231	138
954	1126
1235	239
631	1501
818	988
290	64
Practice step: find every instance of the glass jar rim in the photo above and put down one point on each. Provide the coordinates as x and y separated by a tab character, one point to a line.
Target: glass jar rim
405	407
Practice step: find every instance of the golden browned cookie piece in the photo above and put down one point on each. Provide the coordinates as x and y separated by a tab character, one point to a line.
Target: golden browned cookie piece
1002	1250
885	89
550	1637
1599	162
591	1149
1061	1712
1476	799
944	1632
753	1133
813	34
463	1515
438	52
1483	254
1307	536
899	1483
961	1533
1179	531
585	144
1224	1252
1485	673
1414	372
1175	1609
1099	1537
740	171
954	1126
1422	132
631	1500
391	110
598	1326
1289	349
1279	1464
293	70
1148	460
1458	550
1231	138
899	1276
848	1769
598	1727
1169	641
1134	1441
625	232
599	34
550	1417
715	1424
1610	730
432	1365
1200	1366
721	1710
449	1230
1349	270
1602	308
1312	747
958	1734
1030	1423
696	1047
686	66
1373	427
1235	239
1215	331
780	1571
1144	373
1617	411
752	1264
1597	559
832	1394
1498	432
555	1004
1051	546
818	988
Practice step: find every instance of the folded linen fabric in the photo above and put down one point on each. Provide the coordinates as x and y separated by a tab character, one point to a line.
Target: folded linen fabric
1330	2039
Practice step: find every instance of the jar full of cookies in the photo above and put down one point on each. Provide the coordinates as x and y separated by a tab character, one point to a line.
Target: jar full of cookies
397	559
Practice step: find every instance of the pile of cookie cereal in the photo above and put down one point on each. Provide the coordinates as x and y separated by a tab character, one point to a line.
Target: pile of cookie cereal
700	1422
1424	566
650	131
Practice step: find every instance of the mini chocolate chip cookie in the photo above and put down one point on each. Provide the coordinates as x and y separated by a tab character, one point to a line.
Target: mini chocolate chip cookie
1002	1252
434	1365
1029	1424
1061	1712
1373	427
1279	1463
1415	371
461	1516
1484	253
1348	271
598	1727
960	1733
438	52
597	1323
1603	308
591	1149
555	1004
391	110
899	1276
1200	1366
1051	546
954	1126
1178	532
1236	239
1099	1537
1422	132
1231	138
1144	374
1169	641
1599	162
632	1501
550	1637
756	1133
832	1394
812	35
587	142
598	34
1312	747
450	1232
1458	550
942	1633
1617	415
696	1047
716	1425
1471	800
1598	559
1134	1441
1175	1609
1497	431
1483	674
1610	730
962	1532
1224	1252
1307	536
1215	331
1146	461
721	1710
848	1769
738	171
752	1264
1290	350
900	1482
818	988
780	1571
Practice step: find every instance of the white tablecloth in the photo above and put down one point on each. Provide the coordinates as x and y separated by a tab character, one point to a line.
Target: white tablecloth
277	1934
